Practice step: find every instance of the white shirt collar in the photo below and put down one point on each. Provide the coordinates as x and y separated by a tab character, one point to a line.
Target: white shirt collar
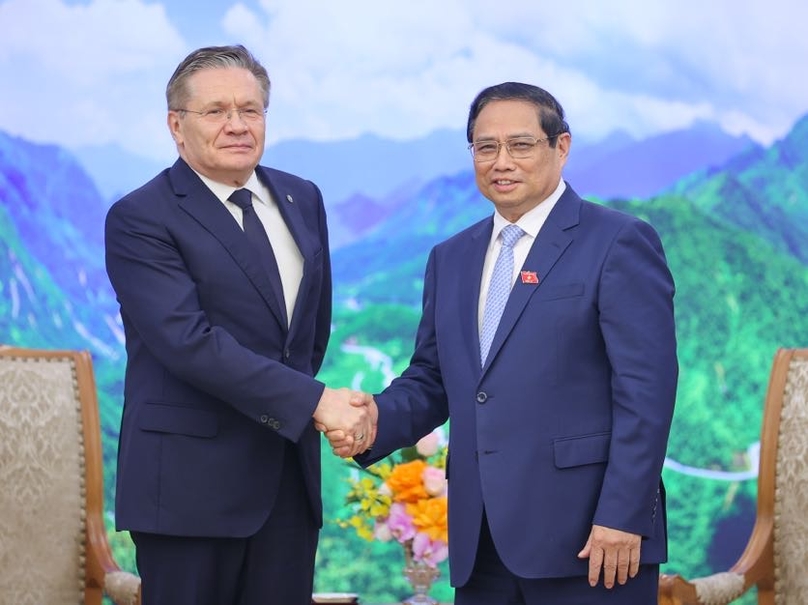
531	222
223	192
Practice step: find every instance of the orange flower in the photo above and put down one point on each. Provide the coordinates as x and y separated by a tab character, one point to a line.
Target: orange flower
406	483
429	516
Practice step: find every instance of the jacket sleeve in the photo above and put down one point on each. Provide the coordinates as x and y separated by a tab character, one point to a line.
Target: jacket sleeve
637	322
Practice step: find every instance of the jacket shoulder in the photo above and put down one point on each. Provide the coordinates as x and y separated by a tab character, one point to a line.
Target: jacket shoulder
478	229
282	178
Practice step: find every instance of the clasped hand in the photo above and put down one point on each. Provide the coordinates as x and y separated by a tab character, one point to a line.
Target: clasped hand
348	419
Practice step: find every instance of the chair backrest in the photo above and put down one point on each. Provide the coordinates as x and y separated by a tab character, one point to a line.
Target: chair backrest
43	465
786	494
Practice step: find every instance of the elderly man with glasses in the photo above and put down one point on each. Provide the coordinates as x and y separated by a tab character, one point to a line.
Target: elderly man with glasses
222	271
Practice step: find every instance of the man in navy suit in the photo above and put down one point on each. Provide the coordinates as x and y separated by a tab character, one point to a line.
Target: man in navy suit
219	461
559	425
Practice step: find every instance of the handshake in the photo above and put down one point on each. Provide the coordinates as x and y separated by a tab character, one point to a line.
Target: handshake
348	419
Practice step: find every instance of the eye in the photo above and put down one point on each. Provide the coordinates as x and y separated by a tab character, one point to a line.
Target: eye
250	114
521	145
214	113
488	148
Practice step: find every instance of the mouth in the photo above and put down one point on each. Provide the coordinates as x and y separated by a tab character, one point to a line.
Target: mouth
238	151
504	185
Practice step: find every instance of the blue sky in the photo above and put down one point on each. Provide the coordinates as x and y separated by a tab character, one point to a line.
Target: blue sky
93	72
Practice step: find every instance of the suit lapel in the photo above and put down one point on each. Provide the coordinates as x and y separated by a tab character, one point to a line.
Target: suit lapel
550	244
199	202
291	213
471	269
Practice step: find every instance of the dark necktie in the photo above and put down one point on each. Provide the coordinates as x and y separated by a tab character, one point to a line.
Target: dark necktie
258	239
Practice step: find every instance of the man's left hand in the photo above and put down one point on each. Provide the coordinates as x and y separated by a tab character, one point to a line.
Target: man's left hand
616	552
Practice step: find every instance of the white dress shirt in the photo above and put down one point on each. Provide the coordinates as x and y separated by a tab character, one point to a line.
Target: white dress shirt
531	223
287	254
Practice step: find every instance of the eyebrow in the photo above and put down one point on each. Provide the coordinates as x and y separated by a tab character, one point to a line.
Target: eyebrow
510	136
227	104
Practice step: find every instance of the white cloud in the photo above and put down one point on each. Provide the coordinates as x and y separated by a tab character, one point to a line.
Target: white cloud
86	74
742	59
403	69
95	72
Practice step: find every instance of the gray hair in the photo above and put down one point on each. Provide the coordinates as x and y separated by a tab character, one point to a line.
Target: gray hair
213	57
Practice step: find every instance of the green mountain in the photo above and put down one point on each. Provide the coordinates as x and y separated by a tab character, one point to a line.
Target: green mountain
764	191
736	240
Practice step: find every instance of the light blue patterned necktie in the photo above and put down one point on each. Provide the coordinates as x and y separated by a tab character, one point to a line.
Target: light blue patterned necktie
499	288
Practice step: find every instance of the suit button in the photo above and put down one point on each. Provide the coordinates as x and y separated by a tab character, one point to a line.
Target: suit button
482	397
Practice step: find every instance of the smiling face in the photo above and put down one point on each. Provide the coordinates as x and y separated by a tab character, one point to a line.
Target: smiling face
517	186
227	151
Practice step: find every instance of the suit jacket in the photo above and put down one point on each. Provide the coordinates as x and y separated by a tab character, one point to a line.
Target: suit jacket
216	384
567	423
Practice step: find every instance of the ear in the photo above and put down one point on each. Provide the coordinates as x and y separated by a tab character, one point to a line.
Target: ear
174	126
563	144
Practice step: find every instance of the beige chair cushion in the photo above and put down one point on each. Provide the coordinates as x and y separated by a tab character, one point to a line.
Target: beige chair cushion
41	474
791	491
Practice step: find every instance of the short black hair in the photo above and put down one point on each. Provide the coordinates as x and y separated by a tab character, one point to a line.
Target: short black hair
551	114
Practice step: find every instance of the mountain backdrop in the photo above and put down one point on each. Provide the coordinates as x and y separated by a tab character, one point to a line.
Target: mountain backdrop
733	217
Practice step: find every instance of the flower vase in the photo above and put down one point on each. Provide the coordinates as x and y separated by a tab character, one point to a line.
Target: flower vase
421	577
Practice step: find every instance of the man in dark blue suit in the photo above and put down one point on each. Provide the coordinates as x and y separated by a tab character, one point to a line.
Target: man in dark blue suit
560	410
222	271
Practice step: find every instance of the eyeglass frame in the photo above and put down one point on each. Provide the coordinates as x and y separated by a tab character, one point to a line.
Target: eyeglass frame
507	145
228	113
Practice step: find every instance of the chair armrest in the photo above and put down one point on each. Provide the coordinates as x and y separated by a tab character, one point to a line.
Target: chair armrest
754	567
122	587
717	589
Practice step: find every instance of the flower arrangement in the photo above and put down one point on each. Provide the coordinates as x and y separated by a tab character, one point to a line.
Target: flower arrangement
403	498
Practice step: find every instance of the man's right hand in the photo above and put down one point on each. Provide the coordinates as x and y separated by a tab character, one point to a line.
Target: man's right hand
339	413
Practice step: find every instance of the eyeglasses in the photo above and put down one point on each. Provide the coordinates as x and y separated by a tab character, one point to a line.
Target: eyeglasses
519	148
220	116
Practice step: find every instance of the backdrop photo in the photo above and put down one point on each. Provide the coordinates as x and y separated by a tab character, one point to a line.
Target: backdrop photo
693	117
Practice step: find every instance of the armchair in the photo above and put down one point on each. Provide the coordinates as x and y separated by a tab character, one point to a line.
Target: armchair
53	542
775	559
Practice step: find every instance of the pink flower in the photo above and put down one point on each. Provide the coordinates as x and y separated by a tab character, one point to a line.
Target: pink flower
400	523
434	481
429	551
382	532
428	445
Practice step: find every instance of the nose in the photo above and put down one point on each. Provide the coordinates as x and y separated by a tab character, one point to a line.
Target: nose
235	121
233	114
503	156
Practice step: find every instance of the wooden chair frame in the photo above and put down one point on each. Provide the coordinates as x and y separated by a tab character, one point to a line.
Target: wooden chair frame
103	575
755	567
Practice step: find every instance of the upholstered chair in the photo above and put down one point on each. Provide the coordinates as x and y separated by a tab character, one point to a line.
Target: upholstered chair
776	556
53	542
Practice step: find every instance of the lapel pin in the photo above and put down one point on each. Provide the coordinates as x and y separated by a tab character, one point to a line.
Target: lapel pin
529	277
289	198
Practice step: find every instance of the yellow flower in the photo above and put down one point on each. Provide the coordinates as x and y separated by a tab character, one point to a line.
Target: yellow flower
363	529
429	516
